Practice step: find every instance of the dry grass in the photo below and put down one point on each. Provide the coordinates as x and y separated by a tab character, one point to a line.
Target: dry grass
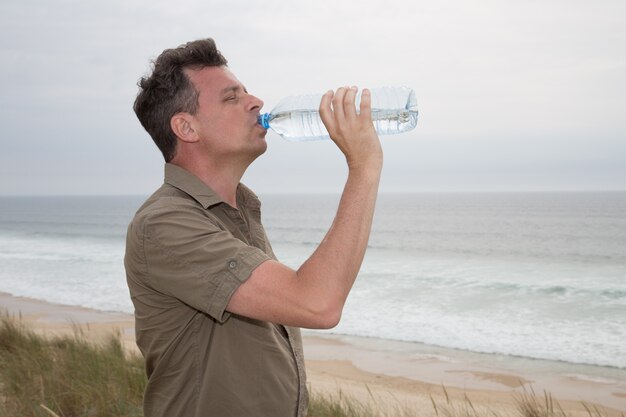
528	404
66	376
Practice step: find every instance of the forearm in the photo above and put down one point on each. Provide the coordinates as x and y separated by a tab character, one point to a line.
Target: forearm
328	275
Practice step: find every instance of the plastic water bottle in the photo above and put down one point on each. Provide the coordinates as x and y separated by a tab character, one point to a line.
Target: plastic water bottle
297	118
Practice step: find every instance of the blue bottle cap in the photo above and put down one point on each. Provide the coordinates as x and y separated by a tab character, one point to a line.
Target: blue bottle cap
264	120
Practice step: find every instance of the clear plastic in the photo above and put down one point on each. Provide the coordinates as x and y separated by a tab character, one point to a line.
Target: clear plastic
296	118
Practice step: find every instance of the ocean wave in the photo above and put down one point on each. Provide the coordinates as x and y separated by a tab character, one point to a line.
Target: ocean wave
600	360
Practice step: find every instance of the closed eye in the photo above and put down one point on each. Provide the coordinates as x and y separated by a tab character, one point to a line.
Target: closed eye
232	96
233	92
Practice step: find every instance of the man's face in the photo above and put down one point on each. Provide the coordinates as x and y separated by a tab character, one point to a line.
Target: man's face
226	119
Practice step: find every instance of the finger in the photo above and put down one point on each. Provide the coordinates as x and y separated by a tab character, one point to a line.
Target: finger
326	112
349	107
366	104
338	103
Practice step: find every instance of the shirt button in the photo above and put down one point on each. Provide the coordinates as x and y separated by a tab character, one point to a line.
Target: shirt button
232	264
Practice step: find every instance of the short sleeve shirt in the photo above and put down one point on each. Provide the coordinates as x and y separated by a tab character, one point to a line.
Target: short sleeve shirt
187	252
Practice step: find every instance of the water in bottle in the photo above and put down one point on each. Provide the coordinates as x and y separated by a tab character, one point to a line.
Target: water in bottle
296	118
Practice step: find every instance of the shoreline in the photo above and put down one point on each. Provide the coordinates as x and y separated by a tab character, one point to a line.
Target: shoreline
502	362
490	377
390	371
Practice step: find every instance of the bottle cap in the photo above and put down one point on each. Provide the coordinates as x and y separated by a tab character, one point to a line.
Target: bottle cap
264	120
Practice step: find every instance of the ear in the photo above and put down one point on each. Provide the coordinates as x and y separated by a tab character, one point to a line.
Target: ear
181	124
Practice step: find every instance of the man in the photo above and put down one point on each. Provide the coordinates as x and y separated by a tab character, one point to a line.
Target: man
217	316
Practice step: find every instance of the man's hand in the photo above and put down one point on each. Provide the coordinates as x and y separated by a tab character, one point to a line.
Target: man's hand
353	133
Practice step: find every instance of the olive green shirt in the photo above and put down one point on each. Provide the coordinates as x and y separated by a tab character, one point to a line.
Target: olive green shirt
187	252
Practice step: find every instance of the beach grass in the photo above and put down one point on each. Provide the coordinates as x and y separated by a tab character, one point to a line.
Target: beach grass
66	376
69	376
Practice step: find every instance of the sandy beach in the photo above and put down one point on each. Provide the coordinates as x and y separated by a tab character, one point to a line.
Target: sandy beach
385	372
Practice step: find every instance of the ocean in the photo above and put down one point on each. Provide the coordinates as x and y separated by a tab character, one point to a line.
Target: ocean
531	275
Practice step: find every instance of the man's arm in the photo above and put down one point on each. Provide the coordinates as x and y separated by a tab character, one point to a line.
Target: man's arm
314	295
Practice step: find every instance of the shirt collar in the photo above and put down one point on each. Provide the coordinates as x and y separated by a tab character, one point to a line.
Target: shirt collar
188	183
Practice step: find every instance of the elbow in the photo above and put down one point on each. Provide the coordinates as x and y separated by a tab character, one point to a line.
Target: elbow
330	322
326	318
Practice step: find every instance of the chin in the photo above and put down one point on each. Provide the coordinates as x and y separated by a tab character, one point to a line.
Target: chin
259	148
263	148
262	142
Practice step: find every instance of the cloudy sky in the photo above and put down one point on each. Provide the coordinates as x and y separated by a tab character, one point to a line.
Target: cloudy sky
513	95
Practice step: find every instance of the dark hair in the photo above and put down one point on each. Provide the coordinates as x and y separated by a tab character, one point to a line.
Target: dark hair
168	90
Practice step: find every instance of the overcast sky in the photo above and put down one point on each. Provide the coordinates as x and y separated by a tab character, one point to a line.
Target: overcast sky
513	95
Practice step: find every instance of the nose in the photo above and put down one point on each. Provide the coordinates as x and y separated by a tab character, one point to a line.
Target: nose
255	103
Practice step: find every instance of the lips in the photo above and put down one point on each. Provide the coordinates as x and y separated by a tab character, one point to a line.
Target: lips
257	121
